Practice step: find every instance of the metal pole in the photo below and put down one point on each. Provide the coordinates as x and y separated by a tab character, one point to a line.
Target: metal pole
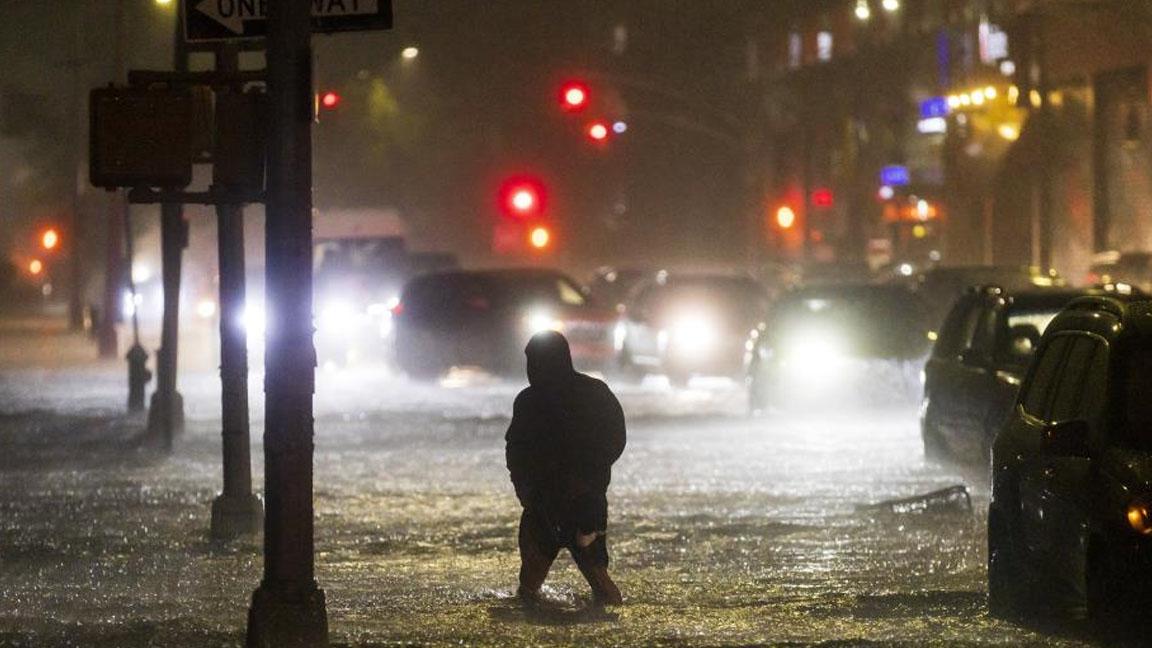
236	511
166	416
114	253
288	608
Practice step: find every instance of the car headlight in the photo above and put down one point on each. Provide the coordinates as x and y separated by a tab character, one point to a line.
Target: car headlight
206	308
813	351
253	321
336	318
538	321
1140	516
693	334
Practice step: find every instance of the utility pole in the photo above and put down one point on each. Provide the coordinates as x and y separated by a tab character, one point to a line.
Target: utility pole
236	511
288	609
166	415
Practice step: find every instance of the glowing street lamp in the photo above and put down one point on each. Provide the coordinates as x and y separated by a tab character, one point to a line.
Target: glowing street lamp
50	239
540	237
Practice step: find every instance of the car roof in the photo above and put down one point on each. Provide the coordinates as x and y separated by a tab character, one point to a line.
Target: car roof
1056	298
1108	317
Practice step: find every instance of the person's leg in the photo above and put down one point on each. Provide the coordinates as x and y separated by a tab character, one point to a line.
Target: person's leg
537	552
593	563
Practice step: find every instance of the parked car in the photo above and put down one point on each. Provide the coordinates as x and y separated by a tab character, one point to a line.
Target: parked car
939	287
689	325
484	319
1070	520
980	356
834	345
1134	268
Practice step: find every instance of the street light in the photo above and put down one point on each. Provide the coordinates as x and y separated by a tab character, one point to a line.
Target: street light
890	5
35	267
410	52
863	11
785	217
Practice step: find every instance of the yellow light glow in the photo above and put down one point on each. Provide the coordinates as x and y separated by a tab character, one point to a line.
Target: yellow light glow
1009	132
50	239
1035	99
1056	98
919	231
953	101
990	92
1138	518
35	266
410	53
163	3
863	12
540	237
785	217
890	5
965	100
933	335
978	97
1013	93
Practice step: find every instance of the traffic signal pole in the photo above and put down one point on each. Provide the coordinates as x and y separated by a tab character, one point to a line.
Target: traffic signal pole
288	608
236	511
166	411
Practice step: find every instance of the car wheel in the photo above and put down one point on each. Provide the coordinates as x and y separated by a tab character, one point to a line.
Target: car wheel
1107	603
1004	577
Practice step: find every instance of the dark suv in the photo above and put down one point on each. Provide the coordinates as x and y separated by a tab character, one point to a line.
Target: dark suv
981	353
483	318
1070	522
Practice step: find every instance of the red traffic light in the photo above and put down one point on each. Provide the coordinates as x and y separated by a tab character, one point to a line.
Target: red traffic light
598	131
574	96
329	100
822	197
522	197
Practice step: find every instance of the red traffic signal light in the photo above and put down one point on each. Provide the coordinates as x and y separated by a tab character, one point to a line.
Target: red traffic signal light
574	96
329	100
822	197
522	197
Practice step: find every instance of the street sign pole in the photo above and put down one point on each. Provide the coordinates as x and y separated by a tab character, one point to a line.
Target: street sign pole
236	511
288	608
166	411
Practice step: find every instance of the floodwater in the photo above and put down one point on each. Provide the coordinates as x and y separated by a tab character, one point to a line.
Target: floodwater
724	530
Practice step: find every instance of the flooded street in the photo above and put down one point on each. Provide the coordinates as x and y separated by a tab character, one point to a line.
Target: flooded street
724	530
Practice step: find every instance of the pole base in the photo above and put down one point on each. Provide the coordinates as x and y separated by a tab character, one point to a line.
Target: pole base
165	418
287	619
234	516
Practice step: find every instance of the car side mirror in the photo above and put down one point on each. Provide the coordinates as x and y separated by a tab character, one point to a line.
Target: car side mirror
1066	438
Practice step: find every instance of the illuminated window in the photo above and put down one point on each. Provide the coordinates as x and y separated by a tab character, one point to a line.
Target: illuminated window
824	46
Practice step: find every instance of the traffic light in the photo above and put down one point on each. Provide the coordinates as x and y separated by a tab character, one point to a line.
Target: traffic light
50	239
540	237
522	197
822	197
785	217
598	131
329	100
574	96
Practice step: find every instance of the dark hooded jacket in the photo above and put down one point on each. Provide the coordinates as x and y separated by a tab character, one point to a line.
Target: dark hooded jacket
567	430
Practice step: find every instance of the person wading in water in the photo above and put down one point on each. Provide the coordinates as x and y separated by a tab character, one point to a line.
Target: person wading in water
567	430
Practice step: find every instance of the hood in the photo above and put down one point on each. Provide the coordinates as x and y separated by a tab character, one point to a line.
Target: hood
549	359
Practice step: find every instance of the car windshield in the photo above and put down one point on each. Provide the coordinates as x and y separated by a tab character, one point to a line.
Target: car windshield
737	297
874	321
535	289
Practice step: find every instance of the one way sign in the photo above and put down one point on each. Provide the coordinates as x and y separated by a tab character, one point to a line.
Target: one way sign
214	20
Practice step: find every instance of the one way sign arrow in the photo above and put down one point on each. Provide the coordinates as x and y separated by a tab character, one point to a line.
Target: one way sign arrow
211	20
